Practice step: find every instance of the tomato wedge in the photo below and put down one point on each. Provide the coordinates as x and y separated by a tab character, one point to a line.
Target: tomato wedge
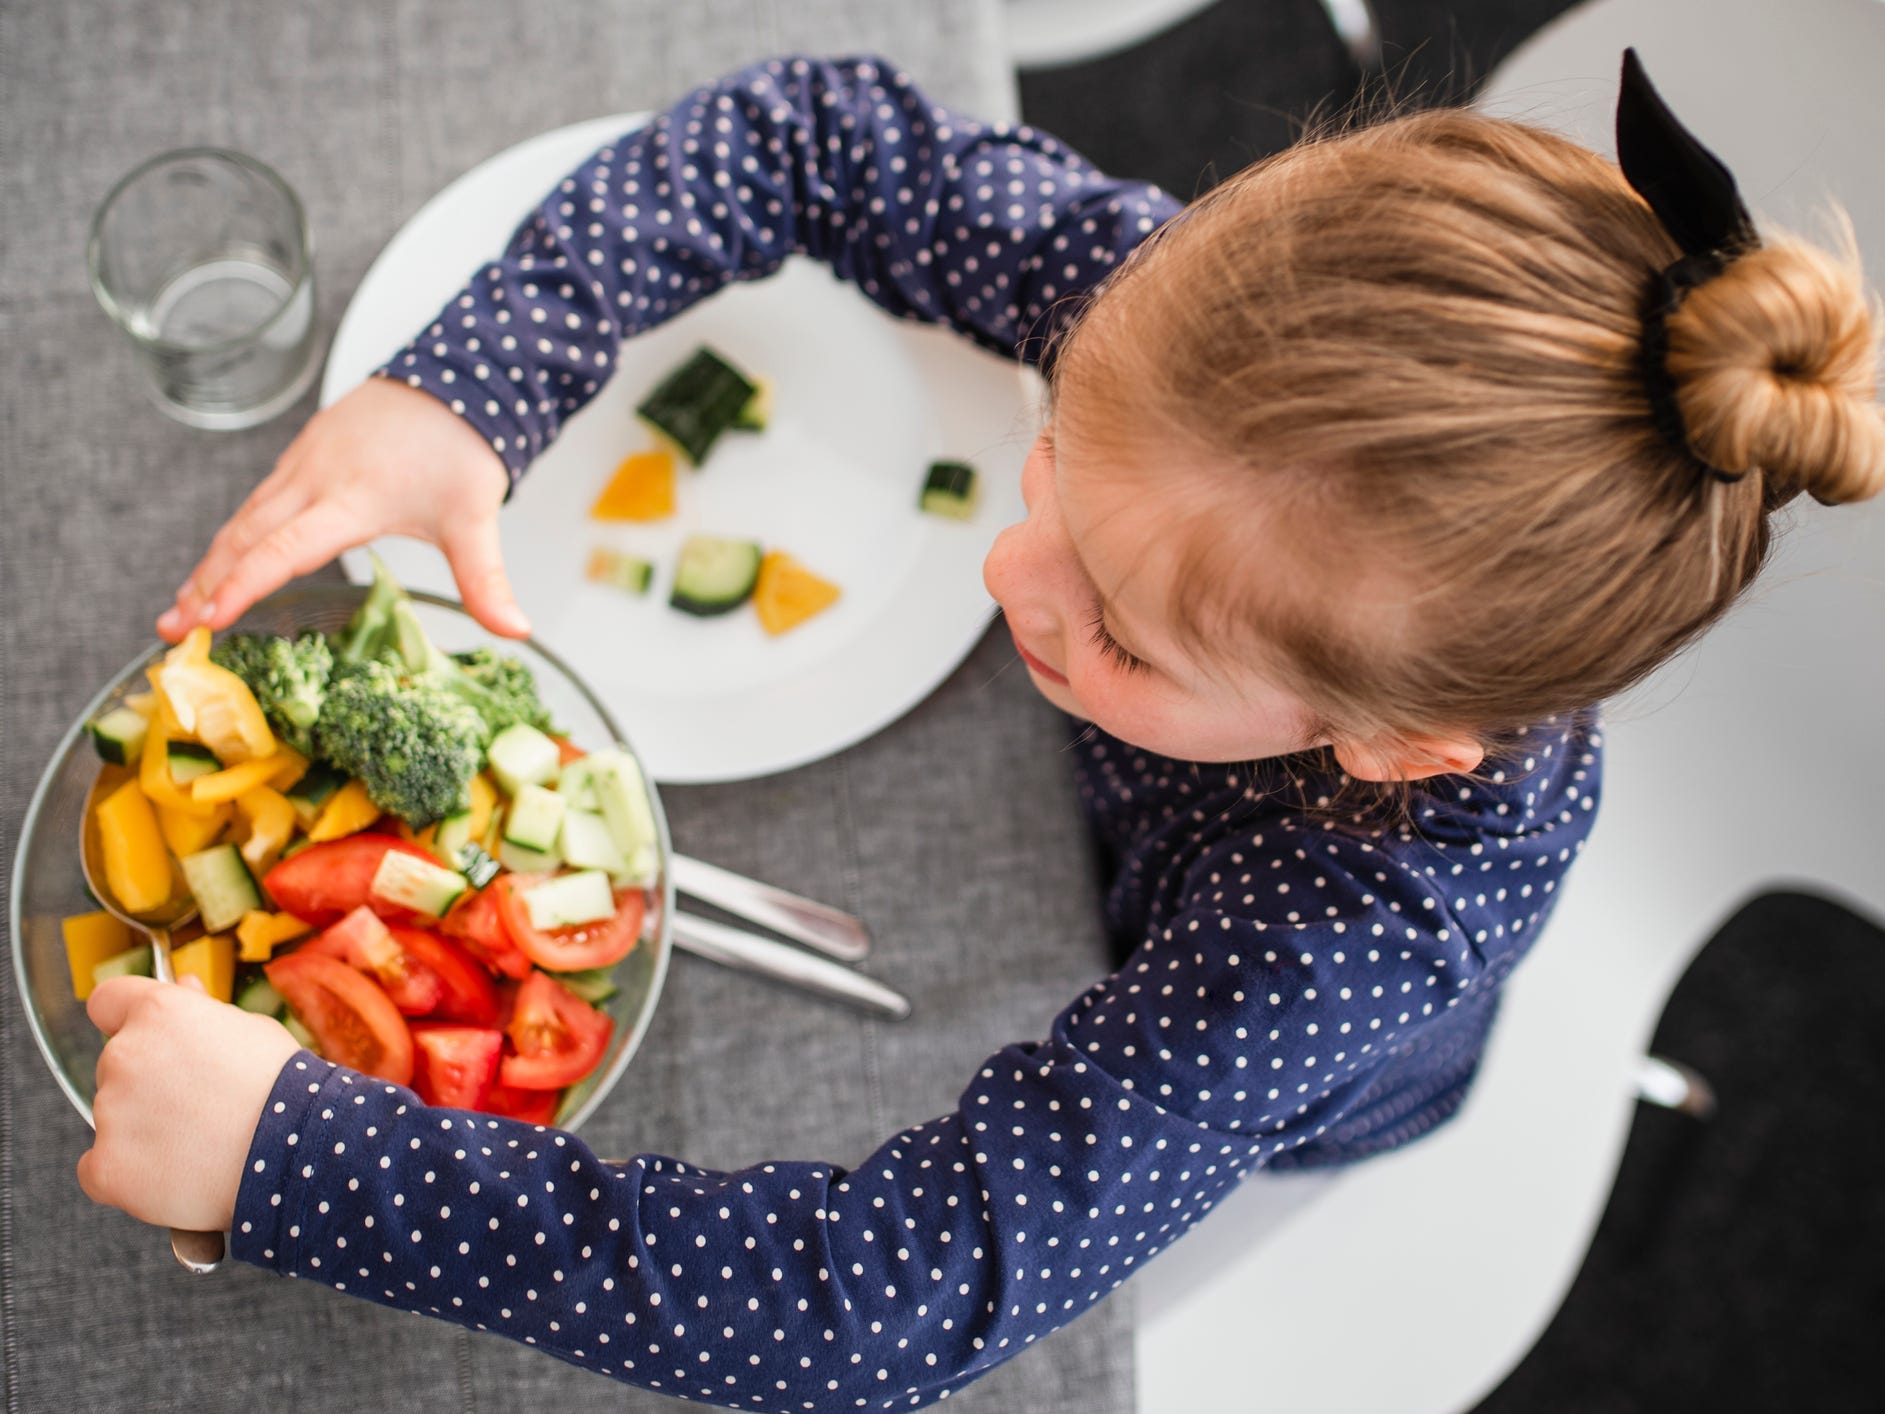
324	882
559	1037
353	1021
575	949
455	1066
477	925
531	1106
466	992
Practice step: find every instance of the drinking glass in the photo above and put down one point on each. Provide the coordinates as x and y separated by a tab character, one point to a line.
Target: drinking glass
202	258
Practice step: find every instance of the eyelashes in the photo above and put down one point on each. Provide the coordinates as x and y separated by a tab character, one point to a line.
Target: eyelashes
1111	647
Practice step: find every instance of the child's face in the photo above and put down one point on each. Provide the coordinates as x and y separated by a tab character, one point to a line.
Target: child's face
1087	584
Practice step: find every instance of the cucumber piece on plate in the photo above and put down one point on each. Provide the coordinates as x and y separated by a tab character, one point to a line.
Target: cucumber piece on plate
222	886
596	985
535	818
520	756
695	403
623	796
588	843
569	900
258	995
407	881
519	860
715	575
950	490
188	760
629	573
309	794
119	736
132	962
758	410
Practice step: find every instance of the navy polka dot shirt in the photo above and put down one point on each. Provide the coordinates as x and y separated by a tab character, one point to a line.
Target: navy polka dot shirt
1302	985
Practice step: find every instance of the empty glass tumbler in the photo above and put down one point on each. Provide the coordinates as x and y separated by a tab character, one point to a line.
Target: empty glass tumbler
202	257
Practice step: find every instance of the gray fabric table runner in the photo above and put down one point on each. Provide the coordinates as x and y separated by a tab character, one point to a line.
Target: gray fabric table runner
954	832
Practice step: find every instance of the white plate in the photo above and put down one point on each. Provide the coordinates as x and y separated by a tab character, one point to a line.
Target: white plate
862	404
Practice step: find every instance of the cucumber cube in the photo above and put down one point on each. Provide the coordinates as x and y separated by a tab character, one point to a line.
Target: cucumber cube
519	860
222	886
535	818
623	796
577	784
407	881
520	756
570	900
587	843
119	736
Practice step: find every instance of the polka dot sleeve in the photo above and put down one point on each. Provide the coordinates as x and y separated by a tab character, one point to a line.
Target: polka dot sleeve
935	216
1304	990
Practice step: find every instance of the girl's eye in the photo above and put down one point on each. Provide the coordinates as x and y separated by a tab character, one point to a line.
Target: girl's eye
1112	647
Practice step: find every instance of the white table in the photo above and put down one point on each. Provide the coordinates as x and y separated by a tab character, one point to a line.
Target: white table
1414	1283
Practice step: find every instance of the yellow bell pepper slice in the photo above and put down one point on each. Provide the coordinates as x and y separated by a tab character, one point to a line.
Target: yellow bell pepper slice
213	704
137	869
292	768
271	817
154	778
90	938
142	703
191	834
641	489
786	593
483	804
259	933
234	781
349	812
212	961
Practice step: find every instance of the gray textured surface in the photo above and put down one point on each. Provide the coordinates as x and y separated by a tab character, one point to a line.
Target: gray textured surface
954	831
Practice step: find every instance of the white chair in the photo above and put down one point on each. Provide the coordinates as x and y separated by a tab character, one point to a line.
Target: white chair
1414	1283
1045	34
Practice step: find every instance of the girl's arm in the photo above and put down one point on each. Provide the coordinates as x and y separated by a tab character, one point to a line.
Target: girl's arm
933	215
1228	1041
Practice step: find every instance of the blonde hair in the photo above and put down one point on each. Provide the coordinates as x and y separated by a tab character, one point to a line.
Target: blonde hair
1417	350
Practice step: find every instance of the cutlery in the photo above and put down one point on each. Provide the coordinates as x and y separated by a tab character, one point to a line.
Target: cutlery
804	920
748	952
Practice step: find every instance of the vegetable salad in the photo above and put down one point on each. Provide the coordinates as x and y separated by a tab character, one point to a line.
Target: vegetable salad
389	850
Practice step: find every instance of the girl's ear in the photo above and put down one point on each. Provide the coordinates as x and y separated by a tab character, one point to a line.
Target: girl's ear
1409	759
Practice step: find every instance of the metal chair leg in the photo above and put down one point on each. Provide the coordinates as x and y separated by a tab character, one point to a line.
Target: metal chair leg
1354	21
1674	1086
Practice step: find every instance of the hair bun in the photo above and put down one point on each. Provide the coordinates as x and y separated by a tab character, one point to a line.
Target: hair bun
1775	364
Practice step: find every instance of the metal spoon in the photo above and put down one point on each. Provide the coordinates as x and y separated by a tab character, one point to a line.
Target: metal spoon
200	1252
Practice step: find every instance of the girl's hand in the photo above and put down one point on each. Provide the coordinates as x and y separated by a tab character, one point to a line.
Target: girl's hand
385	459
181	1085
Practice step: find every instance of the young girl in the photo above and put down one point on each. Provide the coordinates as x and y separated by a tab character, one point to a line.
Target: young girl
1363	457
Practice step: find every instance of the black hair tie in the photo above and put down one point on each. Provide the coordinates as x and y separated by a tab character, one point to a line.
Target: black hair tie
1693	195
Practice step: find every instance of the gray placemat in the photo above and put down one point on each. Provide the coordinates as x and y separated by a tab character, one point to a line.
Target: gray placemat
954	831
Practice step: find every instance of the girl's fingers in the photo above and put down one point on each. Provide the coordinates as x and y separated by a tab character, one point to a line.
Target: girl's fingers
296	546
477	561
261	515
91	1177
111	1002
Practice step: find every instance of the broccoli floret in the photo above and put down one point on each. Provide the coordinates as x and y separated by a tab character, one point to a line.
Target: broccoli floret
288	677
413	745
513	691
370	630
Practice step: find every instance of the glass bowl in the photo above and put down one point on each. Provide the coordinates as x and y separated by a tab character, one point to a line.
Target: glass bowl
48	885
